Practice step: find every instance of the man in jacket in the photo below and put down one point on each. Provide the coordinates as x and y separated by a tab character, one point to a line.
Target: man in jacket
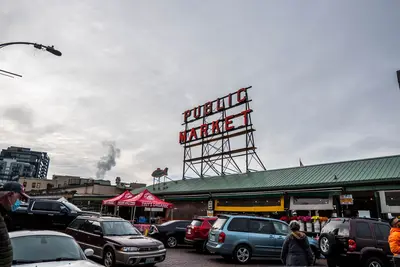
10	192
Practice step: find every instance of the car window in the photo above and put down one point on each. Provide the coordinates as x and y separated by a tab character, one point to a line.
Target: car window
56	206
39	248
87	226
239	225
219	223
211	222
76	224
381	231
183	224
261	227
363	230
96	227
42	206
196	222
281	228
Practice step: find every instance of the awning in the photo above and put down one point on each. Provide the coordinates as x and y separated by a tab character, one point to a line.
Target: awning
113	201
145	199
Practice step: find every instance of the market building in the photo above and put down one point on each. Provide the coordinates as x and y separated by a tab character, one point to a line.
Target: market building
365	187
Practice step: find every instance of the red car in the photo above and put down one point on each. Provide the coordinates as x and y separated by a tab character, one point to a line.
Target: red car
197	232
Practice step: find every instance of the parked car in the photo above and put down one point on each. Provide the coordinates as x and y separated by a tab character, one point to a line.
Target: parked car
48	248
243	237
171	233
116	241
347	242
40	214
197	232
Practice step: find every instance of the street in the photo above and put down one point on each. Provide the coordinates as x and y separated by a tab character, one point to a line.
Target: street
189	258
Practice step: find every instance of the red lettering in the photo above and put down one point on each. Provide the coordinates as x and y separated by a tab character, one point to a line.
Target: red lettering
239	98
208	108
244	113
215	127
192	134
197	112
182	137
204	130
187	114
230	100
219	107
228	121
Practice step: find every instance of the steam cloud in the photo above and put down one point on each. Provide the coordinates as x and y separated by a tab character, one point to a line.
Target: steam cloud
108	161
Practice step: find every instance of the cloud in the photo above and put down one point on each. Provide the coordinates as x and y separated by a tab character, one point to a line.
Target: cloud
323	77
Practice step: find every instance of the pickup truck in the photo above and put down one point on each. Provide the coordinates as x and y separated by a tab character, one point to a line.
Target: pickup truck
41	214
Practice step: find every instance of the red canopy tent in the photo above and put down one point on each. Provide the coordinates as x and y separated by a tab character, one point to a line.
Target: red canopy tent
145	199
113	201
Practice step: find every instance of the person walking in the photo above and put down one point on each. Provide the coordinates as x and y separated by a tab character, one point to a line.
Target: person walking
296	250
10	194
394	240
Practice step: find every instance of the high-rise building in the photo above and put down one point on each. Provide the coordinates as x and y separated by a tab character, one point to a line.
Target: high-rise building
20	161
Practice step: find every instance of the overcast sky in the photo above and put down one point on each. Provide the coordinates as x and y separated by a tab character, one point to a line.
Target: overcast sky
323	77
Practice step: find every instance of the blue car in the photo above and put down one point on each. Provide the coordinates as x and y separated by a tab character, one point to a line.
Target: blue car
243	237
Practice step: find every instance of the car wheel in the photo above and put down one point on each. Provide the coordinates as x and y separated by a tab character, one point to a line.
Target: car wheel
326	244
172	242
242	254
373	262
109	258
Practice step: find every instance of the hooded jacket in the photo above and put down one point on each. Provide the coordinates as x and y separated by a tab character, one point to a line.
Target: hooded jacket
296	250
6	252
394	241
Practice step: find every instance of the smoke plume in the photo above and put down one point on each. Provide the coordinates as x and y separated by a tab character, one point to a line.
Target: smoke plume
108	161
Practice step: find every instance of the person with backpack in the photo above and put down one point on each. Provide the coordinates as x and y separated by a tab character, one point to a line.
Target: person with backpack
296	250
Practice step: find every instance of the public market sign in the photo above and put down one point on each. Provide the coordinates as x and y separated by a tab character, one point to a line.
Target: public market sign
219	126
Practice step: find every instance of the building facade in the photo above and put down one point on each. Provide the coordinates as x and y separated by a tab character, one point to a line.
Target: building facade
367	186
34	184
19	161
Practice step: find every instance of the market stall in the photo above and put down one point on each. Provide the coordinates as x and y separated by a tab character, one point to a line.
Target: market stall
113	201
144	199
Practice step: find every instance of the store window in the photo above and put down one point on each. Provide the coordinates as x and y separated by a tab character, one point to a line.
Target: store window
250	202
310	200
392	198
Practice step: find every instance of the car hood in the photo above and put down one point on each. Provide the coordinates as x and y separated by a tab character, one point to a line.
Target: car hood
61	264
133	241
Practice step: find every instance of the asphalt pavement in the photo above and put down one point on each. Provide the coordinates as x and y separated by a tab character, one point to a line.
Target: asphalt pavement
187	257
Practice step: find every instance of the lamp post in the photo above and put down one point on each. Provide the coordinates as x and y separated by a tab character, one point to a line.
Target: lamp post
49	49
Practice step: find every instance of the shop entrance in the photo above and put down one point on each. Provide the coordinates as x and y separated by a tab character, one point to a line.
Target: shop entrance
362	201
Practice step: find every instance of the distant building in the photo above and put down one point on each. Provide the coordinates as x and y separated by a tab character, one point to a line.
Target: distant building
34	184
20	161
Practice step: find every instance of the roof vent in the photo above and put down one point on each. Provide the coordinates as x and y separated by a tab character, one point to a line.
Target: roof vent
335	177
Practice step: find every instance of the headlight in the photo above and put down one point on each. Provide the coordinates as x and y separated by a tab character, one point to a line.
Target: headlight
129	249
161	246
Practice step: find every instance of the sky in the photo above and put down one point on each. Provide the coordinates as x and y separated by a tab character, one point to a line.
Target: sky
322	74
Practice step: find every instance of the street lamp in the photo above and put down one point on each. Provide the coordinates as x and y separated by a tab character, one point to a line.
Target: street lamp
398	77
49	49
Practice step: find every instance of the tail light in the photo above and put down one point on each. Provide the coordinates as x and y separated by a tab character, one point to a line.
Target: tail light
352	245
221	237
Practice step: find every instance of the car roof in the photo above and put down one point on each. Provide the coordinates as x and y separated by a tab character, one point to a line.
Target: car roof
251	217
205	218
100	218
36	232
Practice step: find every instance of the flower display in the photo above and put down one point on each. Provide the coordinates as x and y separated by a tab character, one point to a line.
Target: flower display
284	218
323	219
294	218
307	219
315	218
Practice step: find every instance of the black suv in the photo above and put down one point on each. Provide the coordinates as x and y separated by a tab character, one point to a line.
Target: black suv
356	242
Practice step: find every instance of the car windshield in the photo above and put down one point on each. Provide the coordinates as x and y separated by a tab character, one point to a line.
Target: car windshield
119	228
71	206
219	223
45	248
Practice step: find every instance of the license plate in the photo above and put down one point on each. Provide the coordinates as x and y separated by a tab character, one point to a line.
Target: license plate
149	260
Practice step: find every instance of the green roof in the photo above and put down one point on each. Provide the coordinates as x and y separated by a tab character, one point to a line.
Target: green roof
355	172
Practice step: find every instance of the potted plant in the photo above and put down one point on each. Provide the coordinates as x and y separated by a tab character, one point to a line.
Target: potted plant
316	224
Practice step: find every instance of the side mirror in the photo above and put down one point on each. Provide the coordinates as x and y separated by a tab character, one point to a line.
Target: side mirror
98	232
89	252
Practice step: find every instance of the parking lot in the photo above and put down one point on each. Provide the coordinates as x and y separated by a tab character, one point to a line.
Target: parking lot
189	258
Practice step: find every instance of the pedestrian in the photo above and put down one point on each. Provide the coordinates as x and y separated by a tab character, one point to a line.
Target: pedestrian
10	194
296	250
394	237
